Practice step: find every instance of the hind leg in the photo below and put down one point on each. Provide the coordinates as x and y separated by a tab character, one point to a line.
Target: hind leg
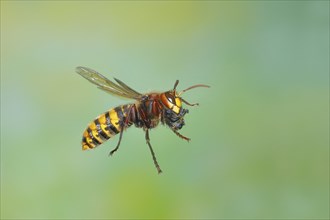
123	127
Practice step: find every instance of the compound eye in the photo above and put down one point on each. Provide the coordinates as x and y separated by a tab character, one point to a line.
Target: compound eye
171	99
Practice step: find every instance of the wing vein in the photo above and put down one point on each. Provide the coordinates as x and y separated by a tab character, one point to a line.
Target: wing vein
120	89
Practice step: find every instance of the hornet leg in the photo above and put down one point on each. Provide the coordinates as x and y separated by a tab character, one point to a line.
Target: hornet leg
181	136
152	152
191	104
114	150
122	131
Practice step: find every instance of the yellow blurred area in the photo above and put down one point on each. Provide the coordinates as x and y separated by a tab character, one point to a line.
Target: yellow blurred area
260	137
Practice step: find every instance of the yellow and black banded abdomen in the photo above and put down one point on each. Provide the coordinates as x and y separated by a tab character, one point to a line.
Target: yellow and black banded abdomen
104	127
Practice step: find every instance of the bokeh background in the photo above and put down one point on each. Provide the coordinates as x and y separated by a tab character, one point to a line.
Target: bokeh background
260	142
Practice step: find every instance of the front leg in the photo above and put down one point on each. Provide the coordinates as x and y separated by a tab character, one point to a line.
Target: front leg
180	135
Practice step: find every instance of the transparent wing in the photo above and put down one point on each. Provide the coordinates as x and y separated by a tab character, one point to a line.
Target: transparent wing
120	89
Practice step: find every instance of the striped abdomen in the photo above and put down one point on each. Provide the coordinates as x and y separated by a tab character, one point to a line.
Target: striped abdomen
104	127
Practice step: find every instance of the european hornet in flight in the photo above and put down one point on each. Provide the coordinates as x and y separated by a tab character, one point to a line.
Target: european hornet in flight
146	112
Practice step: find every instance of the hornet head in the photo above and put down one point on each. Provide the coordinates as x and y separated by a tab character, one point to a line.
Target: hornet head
173	114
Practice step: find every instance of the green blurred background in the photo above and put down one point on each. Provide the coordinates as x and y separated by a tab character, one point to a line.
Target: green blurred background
260	138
